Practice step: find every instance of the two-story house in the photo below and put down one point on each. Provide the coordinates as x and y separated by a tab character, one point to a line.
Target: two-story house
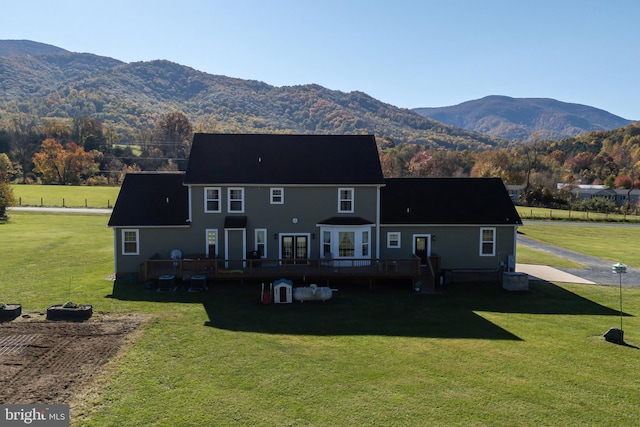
248	205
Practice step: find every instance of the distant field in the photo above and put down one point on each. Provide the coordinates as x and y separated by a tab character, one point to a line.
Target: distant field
135	149
65	196
526	212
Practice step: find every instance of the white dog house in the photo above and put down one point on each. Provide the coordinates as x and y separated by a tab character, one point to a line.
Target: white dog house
282	291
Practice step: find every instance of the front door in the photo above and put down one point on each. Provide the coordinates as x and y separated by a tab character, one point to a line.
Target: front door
421	245
294	249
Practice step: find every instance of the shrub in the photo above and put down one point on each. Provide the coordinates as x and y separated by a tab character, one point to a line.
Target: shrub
98	180
595	204
6	198
543	197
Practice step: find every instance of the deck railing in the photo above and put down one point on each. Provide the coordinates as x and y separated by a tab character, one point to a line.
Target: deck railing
274	268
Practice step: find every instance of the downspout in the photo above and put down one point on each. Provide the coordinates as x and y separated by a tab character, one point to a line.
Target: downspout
515	245
115	252
378	222
189	201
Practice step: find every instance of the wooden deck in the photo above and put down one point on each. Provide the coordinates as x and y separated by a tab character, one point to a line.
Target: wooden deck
270	269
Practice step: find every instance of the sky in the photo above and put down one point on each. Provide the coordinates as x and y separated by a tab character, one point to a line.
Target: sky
408	53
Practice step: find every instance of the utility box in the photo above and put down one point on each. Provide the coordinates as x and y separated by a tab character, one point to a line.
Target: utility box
512	281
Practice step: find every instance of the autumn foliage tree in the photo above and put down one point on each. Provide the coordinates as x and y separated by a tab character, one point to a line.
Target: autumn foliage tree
6	198
6	192
174	132
58	164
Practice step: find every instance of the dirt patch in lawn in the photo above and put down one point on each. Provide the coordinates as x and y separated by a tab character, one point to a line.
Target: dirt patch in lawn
53	361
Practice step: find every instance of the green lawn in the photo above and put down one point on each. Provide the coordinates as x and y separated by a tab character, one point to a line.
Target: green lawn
527	212
65	195
472	355
611	242
532	256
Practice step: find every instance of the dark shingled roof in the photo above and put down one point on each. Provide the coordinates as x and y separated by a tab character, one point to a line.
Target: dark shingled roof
283	159
456	201
151	199
345	220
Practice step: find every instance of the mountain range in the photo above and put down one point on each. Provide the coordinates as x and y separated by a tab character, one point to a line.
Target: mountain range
44	81
525	119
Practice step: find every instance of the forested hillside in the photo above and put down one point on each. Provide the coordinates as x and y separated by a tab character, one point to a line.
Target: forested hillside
129	98
68	118
525	119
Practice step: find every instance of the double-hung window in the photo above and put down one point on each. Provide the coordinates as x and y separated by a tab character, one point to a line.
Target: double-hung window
130	242
326	244
487	241
235	200
345	200
212	199
365	243
393	239
277	196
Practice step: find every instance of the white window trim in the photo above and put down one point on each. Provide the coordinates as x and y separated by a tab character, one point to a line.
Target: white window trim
389	245
324	243
493	241
261	230
428	236
352	200
335	242
137	233
206	242
219	200
229	200
272	196
366	244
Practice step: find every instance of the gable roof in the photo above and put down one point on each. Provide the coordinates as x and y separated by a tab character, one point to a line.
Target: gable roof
151	199
455	201
284	159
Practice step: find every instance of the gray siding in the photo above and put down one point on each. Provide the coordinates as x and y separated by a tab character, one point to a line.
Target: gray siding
303	209
152	241
309	205
457	246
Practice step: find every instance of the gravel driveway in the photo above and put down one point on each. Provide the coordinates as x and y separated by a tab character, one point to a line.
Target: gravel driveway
597	270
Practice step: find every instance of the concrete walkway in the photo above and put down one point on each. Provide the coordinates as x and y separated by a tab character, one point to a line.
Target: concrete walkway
550	274
595	271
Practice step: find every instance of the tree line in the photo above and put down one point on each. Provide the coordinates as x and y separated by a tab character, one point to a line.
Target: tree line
84	151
